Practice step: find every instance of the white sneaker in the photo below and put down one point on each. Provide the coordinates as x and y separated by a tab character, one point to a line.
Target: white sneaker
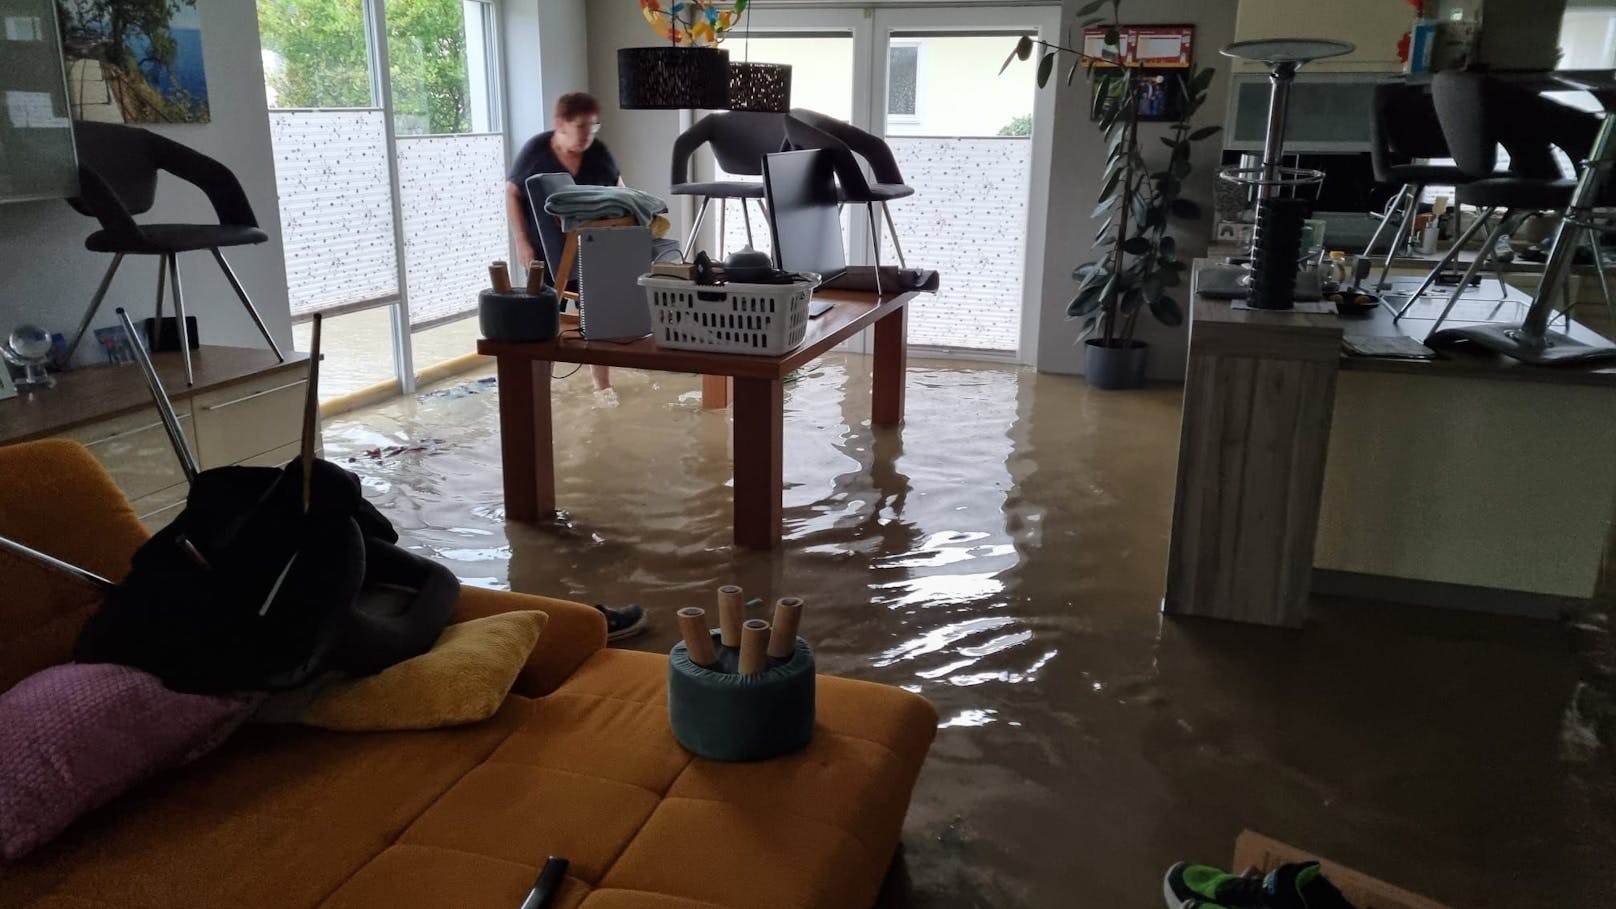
606	397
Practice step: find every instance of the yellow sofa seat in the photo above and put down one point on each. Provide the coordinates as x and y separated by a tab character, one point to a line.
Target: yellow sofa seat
579	763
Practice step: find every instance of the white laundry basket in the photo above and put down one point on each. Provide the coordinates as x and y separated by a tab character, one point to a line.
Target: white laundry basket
759	319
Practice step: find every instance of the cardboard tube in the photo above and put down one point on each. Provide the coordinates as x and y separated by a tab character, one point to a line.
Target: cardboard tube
783	639
500	275
698	639
731	612
535	277
754	644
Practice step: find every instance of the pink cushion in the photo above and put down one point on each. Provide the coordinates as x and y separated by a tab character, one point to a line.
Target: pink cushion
77	735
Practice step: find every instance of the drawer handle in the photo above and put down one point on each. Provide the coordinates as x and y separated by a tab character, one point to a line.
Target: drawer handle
129	432
257	394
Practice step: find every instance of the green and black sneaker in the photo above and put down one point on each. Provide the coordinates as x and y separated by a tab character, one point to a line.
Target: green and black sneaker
1212	888
1299	885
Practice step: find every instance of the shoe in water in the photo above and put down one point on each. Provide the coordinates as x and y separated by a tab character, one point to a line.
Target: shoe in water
606	397
622	621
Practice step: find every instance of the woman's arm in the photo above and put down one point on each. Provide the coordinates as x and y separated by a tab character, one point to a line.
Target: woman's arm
517	214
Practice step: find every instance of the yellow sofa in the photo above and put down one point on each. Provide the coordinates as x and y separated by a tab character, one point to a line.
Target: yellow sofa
578	762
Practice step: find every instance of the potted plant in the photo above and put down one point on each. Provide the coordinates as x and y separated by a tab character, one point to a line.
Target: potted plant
1139	267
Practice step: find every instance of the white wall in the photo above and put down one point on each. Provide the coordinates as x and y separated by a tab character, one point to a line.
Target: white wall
545	44
1075	183
640	140
47	277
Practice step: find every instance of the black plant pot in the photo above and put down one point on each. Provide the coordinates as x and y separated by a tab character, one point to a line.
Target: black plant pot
1120	365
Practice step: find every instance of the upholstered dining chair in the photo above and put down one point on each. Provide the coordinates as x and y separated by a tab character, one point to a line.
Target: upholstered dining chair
849	145
118	167
739	140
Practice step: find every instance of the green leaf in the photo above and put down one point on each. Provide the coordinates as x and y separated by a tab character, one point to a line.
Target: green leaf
1202	79
1045	67
1090	8
1072	73
1137	245
1104	206
1085	302
1166	310
1111	185
1093	21
1168	248
1185	208
1205	132
1180	168
1168	141
1024	47
1089	325
740	7
1103	228
1153	217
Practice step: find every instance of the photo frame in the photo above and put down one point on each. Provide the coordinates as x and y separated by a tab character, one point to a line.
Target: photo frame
115	344
1162	55
8	388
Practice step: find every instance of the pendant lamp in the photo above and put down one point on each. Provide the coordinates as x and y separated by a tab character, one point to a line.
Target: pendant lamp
672	78
763	87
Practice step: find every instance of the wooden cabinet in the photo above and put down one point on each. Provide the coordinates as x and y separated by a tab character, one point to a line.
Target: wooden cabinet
1375	26
245	408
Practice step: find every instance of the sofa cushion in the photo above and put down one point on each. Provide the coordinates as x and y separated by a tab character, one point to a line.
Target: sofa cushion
278	816
51	493
595	775
74	736
462	679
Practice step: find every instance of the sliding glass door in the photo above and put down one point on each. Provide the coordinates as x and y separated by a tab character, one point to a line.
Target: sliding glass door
390	177
973	142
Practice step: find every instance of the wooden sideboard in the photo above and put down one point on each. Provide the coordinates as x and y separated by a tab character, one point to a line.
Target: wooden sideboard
244	408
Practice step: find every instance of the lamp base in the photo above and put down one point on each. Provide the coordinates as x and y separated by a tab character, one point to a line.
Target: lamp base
1553	349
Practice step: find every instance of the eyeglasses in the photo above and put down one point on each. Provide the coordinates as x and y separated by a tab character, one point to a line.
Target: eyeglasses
592	128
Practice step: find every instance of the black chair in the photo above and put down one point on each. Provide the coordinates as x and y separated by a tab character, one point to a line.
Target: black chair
552	240
1403	131
1478	113
739	140
847	144
118	168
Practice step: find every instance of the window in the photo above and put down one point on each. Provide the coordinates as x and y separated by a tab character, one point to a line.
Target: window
903	81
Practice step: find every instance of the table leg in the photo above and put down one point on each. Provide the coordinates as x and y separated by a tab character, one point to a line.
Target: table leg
714	392
891	361
526	454
759	415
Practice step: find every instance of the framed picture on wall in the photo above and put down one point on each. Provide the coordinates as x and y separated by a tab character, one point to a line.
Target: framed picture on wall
1161	55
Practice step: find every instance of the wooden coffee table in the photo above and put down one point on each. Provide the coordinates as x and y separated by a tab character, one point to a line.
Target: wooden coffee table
524	403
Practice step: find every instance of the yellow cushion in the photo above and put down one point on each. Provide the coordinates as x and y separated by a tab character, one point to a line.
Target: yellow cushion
462	679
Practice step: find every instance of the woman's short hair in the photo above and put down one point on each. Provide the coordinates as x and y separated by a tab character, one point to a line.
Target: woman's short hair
573	105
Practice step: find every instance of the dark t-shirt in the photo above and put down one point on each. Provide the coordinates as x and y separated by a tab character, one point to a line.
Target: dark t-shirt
598	168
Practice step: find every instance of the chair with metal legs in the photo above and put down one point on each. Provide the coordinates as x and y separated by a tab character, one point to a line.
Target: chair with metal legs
1404	130
1478	114
118	168
739	140
847	144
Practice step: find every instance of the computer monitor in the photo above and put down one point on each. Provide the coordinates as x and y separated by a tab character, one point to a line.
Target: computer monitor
800	187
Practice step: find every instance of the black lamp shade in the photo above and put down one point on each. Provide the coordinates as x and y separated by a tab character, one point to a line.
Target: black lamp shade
763	87
672	78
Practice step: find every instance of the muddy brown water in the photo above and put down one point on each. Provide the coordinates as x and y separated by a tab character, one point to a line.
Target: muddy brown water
1003	554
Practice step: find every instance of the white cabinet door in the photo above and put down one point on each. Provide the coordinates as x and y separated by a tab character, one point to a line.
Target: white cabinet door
1375	26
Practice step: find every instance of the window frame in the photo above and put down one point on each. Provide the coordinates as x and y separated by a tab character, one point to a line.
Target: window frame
915	118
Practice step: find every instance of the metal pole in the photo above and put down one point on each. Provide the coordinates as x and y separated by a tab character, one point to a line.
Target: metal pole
1280	77
55	564
165	410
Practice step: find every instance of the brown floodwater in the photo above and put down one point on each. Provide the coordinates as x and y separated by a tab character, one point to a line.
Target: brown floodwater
1003	554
